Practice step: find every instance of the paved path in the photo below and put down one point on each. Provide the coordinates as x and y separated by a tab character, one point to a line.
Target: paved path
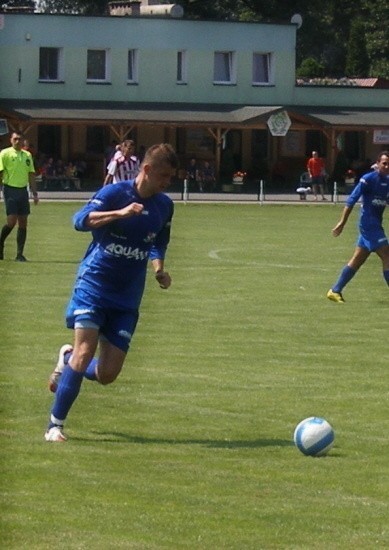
271	198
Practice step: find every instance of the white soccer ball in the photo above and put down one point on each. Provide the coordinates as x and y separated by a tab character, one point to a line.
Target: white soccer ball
314	436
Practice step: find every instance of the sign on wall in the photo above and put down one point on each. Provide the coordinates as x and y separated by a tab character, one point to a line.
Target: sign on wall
279	123
381	137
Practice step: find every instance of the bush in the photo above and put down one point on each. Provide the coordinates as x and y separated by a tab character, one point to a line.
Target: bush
310	67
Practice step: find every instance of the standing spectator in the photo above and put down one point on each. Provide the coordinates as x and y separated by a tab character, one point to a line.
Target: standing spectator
124	165
193	175
373	188
316	171
110	151
141	153
130	224
28	147
17	174
207	176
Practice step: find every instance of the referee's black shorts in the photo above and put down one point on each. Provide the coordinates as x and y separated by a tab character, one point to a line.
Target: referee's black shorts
16	201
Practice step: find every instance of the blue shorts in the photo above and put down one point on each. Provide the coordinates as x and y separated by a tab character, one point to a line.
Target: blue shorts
115	325
372	240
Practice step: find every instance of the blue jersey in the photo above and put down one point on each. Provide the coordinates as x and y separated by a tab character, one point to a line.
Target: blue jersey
113	270
374	190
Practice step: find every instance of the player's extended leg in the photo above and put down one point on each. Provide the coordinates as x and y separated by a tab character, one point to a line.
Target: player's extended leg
383	253
77	364
358	259
85	344
104	370
110	362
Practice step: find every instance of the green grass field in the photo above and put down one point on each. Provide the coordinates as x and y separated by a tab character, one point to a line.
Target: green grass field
192	446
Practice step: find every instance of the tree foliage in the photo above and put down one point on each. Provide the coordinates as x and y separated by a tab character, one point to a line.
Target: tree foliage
311	68
325	35
357	60
97	7
377	36
329	34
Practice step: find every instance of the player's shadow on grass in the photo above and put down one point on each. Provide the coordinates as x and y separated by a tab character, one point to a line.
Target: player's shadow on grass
119	437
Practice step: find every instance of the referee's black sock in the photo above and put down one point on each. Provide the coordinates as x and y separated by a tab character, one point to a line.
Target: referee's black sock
21	240
6	230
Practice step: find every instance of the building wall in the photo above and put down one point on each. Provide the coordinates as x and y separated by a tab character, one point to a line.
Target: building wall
338	96
158	41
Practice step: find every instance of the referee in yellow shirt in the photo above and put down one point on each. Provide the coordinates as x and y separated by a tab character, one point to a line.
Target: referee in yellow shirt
17	173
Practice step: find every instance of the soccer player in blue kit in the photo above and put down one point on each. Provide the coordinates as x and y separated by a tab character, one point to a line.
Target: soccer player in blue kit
373	188
130	224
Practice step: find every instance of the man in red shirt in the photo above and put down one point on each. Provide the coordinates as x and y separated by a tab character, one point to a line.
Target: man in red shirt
316	171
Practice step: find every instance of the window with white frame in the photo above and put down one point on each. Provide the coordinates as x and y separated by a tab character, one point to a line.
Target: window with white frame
132	67
50	64
182	67
98	66
262	68
224	68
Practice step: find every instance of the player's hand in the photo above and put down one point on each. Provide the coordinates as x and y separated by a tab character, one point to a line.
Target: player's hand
163	279
133	209
337	230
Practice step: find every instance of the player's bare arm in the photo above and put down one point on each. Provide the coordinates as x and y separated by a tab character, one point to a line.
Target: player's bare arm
162	276
337	230
98	219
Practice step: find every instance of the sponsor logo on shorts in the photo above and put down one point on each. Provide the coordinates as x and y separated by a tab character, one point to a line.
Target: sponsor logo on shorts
83	311
125	334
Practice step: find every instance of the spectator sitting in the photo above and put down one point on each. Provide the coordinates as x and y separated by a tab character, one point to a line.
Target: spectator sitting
60	173
80	168
71	174
48	172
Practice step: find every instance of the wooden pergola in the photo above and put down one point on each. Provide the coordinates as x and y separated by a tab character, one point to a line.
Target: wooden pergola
122	118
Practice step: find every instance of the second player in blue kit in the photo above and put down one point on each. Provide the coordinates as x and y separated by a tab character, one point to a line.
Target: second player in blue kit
373	190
